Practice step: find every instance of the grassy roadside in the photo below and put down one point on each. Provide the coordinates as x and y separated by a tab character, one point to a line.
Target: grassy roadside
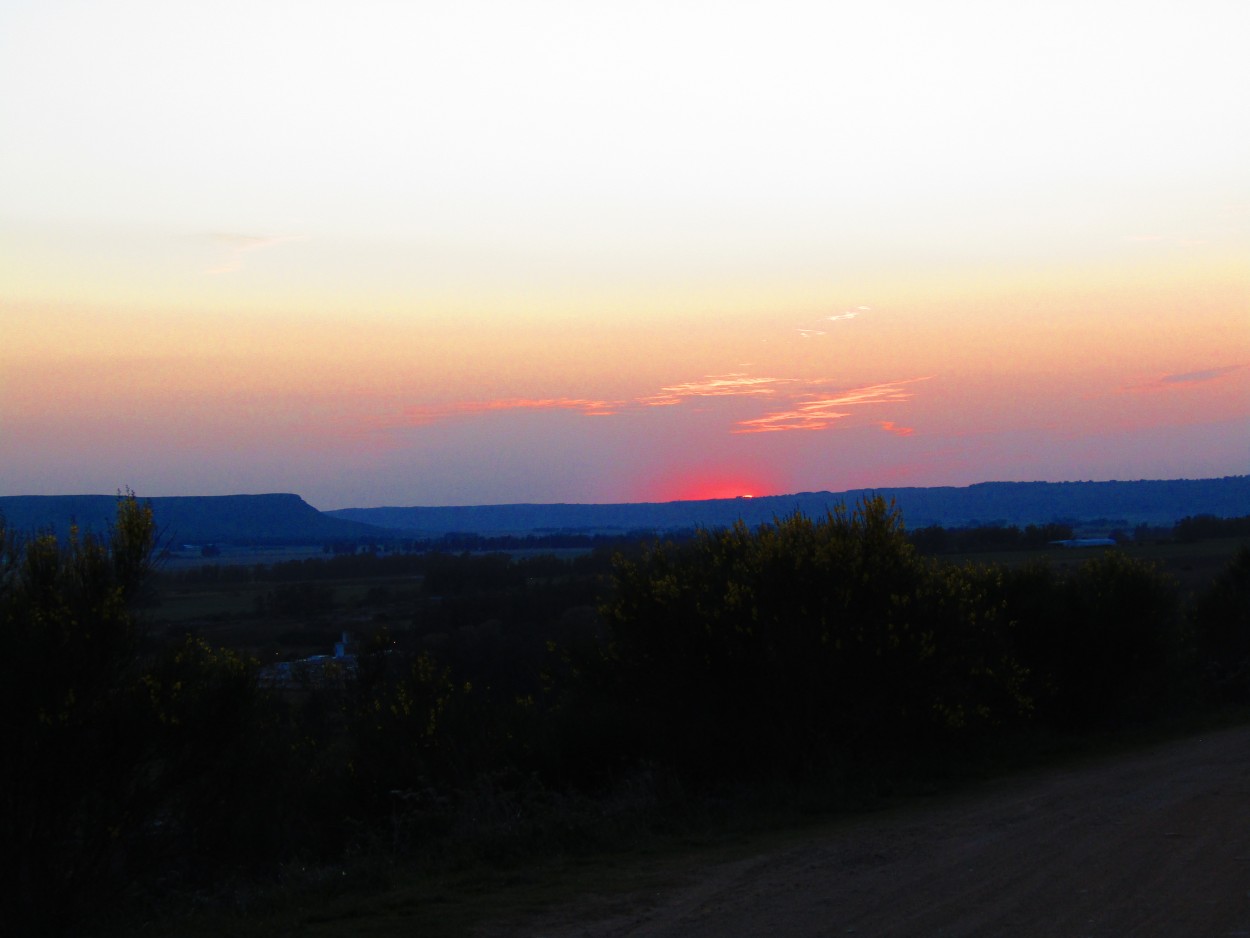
407	899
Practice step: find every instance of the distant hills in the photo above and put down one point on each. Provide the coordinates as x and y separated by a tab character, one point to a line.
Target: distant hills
286	518
1123	504
190	519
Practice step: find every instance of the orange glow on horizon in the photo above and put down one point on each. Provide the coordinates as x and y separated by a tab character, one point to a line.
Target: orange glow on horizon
697	486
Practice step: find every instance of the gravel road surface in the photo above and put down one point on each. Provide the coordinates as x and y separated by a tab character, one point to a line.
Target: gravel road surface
1152	843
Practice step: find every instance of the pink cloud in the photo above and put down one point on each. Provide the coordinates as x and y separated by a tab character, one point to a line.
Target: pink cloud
814	415
889	426
801	404
819	412
730	385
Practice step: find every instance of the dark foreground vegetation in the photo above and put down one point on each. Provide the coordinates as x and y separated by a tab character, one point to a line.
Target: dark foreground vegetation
494	709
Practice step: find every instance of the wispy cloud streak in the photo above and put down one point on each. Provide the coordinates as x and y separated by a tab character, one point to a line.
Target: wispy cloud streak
730	385
848	314
1181	379
237	246
1197	377
820	411
809	332
417	416
800	404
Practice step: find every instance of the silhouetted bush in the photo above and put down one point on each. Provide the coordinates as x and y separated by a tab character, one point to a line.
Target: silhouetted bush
1104	643
1222	627
804	641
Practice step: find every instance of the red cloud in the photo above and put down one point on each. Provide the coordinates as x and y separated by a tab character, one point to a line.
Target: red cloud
889	426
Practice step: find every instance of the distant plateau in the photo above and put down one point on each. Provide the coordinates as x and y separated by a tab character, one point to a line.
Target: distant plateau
287	518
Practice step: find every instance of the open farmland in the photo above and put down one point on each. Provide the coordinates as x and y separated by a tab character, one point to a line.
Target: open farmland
273	617
1191	564
283	602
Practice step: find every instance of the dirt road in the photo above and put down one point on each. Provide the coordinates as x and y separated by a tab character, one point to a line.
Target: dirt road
1154	843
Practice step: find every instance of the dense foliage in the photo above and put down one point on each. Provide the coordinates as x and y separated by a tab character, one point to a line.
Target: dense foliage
126	765
935	539
1222	620
805	641
540	700
73	708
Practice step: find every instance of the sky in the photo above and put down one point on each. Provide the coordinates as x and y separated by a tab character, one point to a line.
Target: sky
417	253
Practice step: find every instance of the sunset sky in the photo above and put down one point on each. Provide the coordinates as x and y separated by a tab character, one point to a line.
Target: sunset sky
416	253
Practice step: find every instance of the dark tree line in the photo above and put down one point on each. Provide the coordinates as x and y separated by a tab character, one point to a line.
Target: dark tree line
936	539
1207	527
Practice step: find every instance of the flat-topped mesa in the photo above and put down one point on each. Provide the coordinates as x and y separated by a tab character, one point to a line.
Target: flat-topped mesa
200	519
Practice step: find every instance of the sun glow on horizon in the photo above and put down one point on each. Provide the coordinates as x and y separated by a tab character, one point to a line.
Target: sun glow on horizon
708	484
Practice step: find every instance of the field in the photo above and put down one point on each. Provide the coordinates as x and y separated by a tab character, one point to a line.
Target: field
232	615
1192	564
232	611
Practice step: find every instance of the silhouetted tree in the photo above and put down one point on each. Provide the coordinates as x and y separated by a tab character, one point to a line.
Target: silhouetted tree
69	695
120	762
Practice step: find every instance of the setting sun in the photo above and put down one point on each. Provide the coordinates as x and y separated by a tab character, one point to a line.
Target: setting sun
709	487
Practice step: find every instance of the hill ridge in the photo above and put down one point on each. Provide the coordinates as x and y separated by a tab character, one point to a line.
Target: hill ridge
286	517
281	516
1152	502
